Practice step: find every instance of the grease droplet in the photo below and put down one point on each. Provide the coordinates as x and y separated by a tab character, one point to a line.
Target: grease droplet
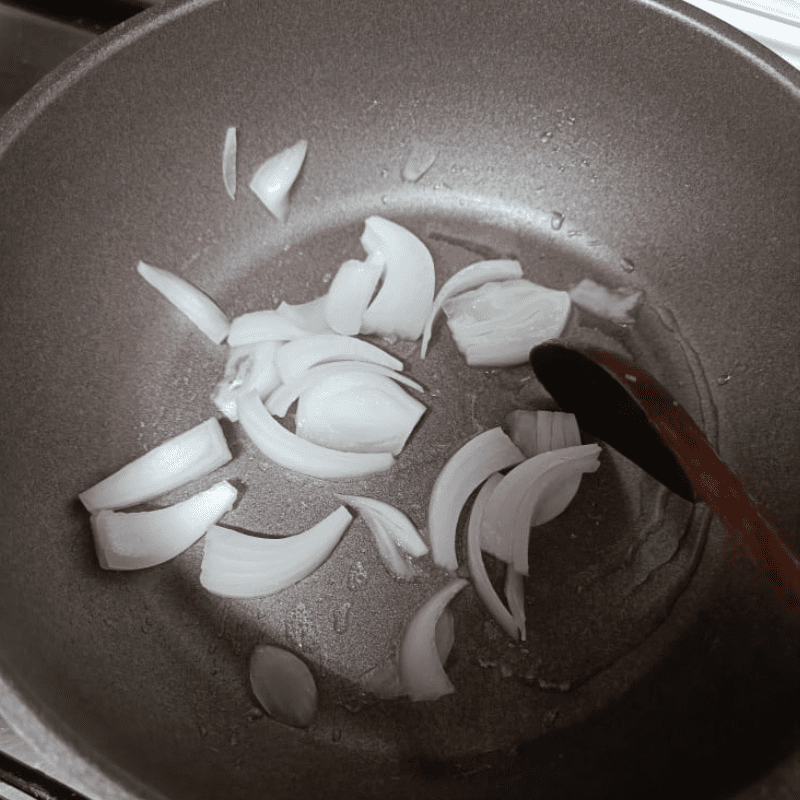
628	265
556	220
546	137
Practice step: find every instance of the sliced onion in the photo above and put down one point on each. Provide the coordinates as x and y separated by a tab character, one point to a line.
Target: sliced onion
402	304
401	528
263	326
572	433
393	558
515	597
349	294
143	539
421	672
229	163
302	354
421	158
274	178
497	324
558	429
280	400
239	565
358	412
251	366
616	305
557	437
309	316
470	277
445	635
470	466
292	452
171	464
283	685
186	297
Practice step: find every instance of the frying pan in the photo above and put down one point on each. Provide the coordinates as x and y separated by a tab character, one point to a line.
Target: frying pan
641	144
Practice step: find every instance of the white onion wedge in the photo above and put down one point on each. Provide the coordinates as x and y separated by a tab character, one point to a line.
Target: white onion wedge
421	672
142	539
239	565
250	366
273	180
309	316
292	452
280	400
263	326
187	298
171	464
466	469
616	305
229	162
470	277
301	354
403	302
497	324
349	294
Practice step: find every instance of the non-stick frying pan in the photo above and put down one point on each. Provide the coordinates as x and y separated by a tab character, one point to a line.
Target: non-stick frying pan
640	144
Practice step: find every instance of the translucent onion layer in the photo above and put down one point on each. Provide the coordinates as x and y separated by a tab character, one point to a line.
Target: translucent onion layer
350	293
229	162
309	316
251	366
273	180
263	326
616	305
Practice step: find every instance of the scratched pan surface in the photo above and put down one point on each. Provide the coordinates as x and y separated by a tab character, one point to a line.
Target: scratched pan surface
640	144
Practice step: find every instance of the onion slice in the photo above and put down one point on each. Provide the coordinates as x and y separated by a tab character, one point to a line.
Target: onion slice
229	162
470	277
421	672
190	455
466	469
615	305
292	452
141	539
251	366
263	326
239	565
273	180
402	529
515	597
309	316
187	298
299	355
558	429
349	294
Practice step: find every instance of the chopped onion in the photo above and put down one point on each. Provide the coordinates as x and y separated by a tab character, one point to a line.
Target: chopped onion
358	412
616	305
401	528
296	357
292	452
515	596
421	672
558	429
177	461
280	400
239	565
497	324
544	431
349	294
274	178
421	158
572	433
283	685
470	277
251	366
392	557
186	297
229	163
263	326
146	538
402	304
472	464
445	635
309	316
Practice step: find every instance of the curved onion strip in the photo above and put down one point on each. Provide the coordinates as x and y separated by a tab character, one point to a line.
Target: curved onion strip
300	355
186	297
263	326
401	306
616	305
171	464
470	277
402	529
419	160
294	453
280	400
349	294
557	437
467	468
251	366
147	538
267	566
544	431
445	635
229	162
421	672
309	316
393	558
274	178
515	597
520	425
477	569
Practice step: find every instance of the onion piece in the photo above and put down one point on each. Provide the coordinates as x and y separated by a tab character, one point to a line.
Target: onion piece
143	539
421	672
402	530
615	305
396	562
239	565
466	469
515	597
187	298
497	324
280	400
283	686
544	431
263	326
559	429
273	180
470	277
309	316
251	366
190	455
300	355
229	162
402	304
292	452
572	433
349	294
